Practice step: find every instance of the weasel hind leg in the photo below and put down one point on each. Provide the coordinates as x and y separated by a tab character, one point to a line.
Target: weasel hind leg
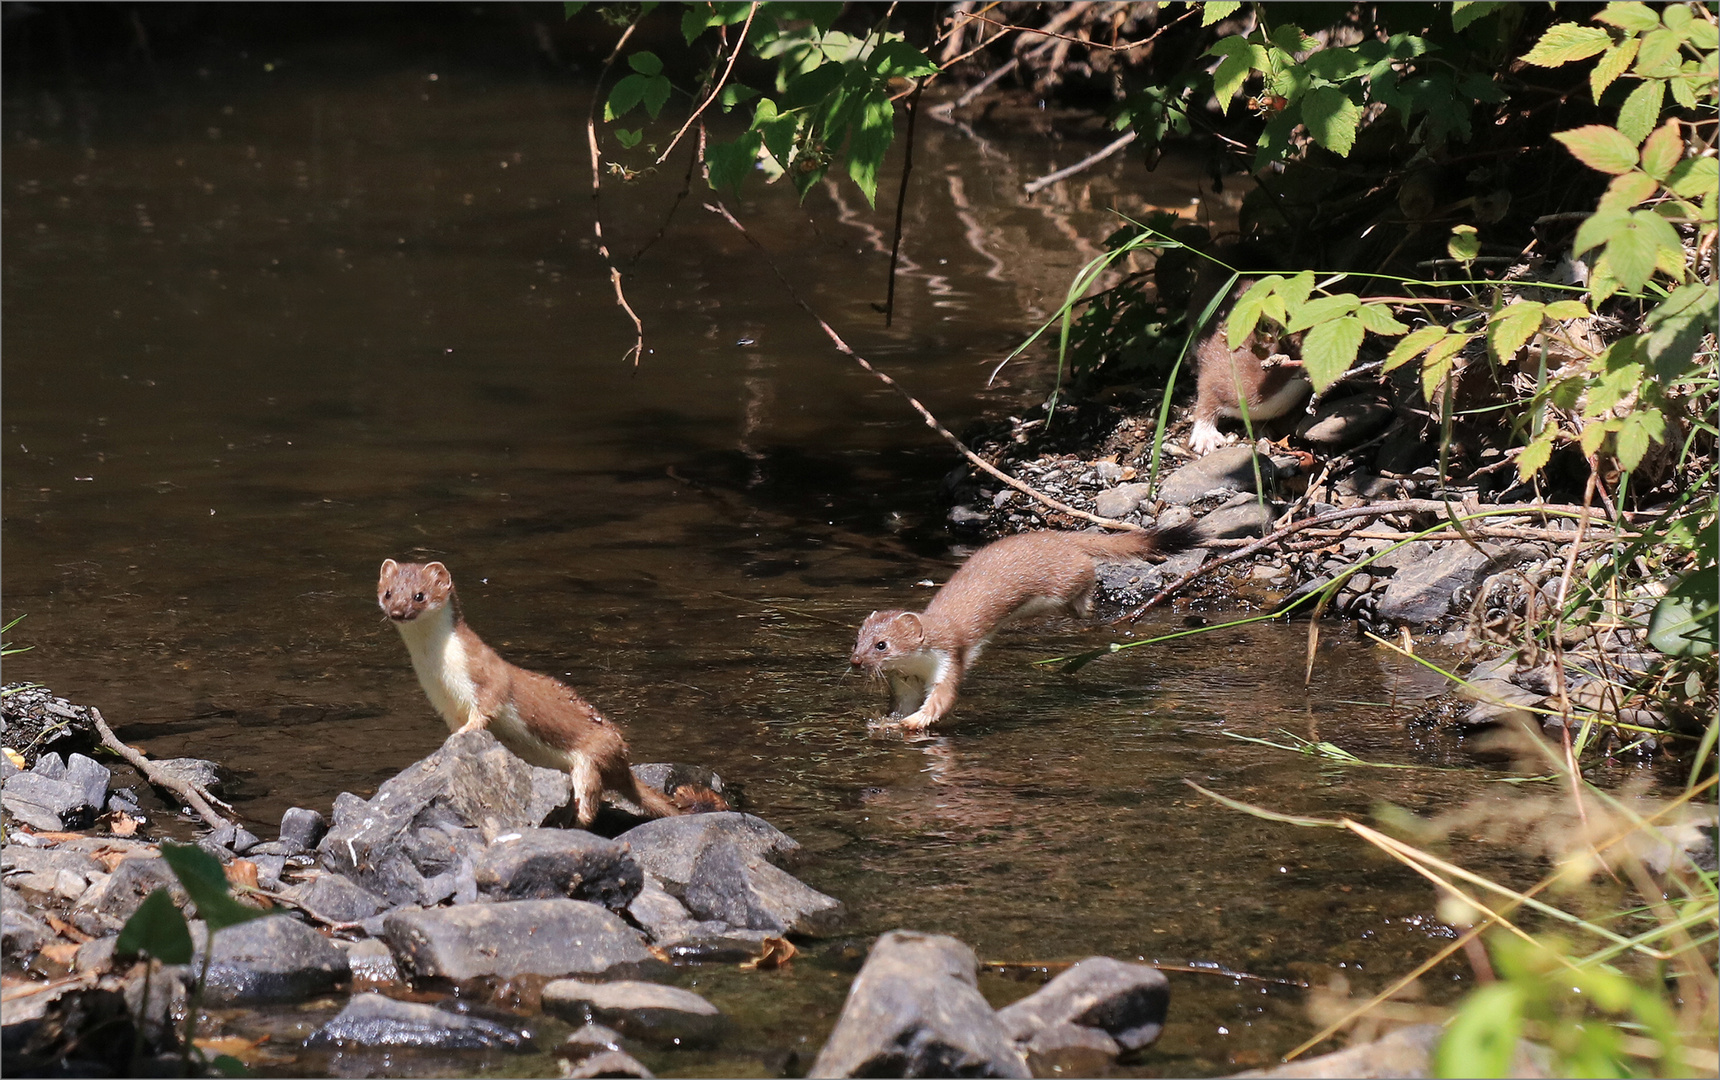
587	788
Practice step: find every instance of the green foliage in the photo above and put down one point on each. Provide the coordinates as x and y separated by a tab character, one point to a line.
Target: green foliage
1686	621
7	648
158	929
206	883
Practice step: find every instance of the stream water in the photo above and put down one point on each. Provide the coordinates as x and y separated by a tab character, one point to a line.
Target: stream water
271	317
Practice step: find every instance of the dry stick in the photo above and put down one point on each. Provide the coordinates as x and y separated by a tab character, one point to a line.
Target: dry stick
925	413
740	43
1090	43
194	794
902	202
1033	187
638	349
1400	506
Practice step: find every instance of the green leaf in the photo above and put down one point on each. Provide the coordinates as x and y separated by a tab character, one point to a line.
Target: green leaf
1694	177
731	163
1245	313
1329	350
1564	42
623	96
1635	246
206	883
1512	327
1290	39
733	94
1658	57
1378	319
1567	309
1465	243
1332	118
645	62
628	139
1637	116
1600	147
1481	1040
899	60
1662	150
1684	86
1611	65
570	8
1321	310
156	928
1686	621
1676	327
656	94
1464	12
1296	290
1632	441
1337	64
871	139
1626	190
1535	456
1634	17
1597	229
695	20
228	1065
1612	387
1414	345
1437	364
1217	11
1232	70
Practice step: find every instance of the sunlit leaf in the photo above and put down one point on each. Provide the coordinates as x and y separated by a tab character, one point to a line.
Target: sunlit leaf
1567	309
1378	319
1321	309
1232	70
1414	345
1600	147
1464	244
206	883
1245	313
1662	150
1676	327
1686	621
1597	229
1694	177
1329	350
1658	57
1611	65
1218	10
1464	12
1512	327
1331	118
1635	17
1564	42
1437	364
731	163
1627	190
1633	249
1637	116
1536	455
157	928
871	139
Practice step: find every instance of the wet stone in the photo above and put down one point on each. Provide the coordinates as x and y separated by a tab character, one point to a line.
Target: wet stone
205	774
118	896
92	777
370	961
45	803
1423	588
1498	702
1229	469
1248	520
606	1063
668	847
275	958
335	898
301	829
665	1015
515	937
745	891
1125	1002
371	1019
541	864
22	933
915	1010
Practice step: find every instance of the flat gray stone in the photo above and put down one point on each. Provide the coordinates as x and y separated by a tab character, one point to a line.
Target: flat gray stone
1229	469
1344	422
1250	520
1498	702
651	1012
335	898
116	897
22	933
542	864
743	890
606	1063
91	776
515	937
1122	500
1126	1002
915	1010
275	958
44	803
667	847
374	1020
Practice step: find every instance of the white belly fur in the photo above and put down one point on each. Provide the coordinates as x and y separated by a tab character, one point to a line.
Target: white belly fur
1288	397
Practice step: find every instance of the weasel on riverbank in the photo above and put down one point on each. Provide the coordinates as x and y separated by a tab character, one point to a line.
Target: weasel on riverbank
1230	379
538	718
923	656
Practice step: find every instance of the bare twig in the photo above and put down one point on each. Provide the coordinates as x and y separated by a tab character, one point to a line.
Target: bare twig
1033	187
902	202
925	413
693	160
1045	32
195	795
638	349
740	43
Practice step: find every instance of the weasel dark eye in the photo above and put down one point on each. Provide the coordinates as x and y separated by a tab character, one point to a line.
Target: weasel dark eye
417	598
386	593
882	645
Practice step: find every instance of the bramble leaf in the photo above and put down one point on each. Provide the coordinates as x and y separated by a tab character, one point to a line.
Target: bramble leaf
1634	247
1626	190
1598	228
1217	11
1658	57
1536	455
1297	290
1319	310
1641	109
1636	18
1685	621
1331	118
1600	147
1662	150
1694	177
873	133
629	139
1465	243
157	928
1329	350
1564	42
1675	329
1567	309
1245	313
730	163
734	94
1378	319
1414	345
1464	12
645	62
1512	327
1232	70
1614	63
1437	364
206	883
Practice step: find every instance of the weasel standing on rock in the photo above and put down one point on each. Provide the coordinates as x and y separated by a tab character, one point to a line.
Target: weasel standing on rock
535	716
925	655
1228	380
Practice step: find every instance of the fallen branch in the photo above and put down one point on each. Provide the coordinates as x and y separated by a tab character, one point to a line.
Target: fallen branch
638	349
194	794
1033	187
925	413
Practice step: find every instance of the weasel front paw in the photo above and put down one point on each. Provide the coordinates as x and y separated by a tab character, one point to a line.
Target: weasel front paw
1205	438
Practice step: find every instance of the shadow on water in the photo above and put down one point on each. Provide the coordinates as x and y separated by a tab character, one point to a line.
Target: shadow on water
287	311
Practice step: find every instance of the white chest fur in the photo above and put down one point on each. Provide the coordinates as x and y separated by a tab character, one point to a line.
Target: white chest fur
443	668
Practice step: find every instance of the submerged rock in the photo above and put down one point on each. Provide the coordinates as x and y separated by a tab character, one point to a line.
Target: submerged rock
915	1010
643	1010
276	958
514	937
1079	1021
374	1020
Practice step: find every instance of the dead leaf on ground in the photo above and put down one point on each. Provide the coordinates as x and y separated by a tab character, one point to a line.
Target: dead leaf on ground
777	952
62	952
66	929
122	824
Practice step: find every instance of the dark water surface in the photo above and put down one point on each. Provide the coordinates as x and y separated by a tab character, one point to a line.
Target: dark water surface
267	325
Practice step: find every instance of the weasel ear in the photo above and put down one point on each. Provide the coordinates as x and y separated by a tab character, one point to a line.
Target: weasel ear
438	574
912	622
389	566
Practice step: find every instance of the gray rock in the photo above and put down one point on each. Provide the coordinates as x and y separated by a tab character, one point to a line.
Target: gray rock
540	864
95	955
1129	582
90	776
745	891
515	937
667	847
1498	702
40	869
370	961
269	868
22	933
301	829
1345	422
336	898
915	1010
45	803
50	765
651	1012
115	898
1108	471
1247	520
275	958
374	1020
1066	1049
1405	1052
7	769
1122	500
440	848
1124	1002
606	1063
1426	583
1231	468
206	774
1174	516
685	939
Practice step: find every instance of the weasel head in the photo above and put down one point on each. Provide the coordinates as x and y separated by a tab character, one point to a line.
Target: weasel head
887	636
405	591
